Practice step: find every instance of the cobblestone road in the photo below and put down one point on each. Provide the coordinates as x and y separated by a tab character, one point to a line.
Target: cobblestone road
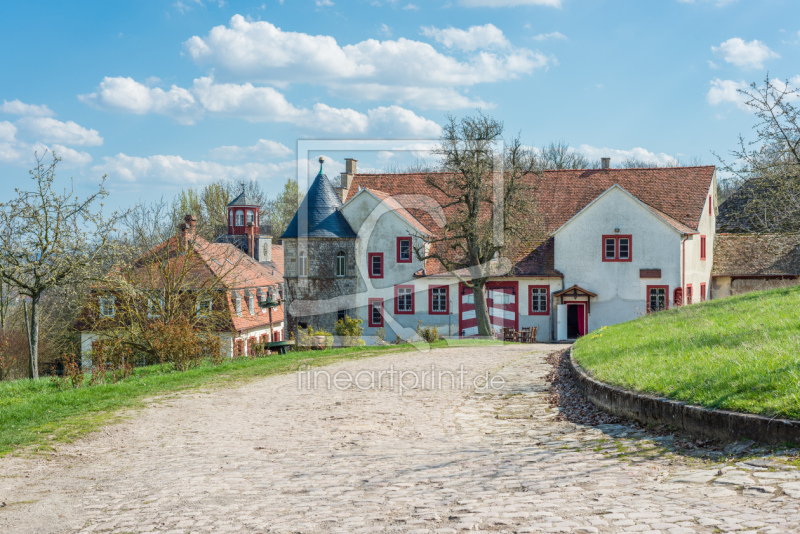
272	457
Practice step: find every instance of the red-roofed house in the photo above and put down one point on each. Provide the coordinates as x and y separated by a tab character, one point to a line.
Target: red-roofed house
617	243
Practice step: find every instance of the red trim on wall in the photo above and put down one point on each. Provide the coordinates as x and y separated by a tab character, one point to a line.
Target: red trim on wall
397	301
709	204
489	285
688	293
616	239
369	311
666	296
702	292
447	300
410	257
369	264
702	247
585	306
530	300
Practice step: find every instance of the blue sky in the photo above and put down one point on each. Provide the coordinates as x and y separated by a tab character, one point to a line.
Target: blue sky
162	95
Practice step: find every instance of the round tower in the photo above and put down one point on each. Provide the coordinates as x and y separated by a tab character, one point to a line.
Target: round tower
241	211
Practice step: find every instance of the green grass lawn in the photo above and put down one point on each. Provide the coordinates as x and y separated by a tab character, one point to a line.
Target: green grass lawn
38	413
740	353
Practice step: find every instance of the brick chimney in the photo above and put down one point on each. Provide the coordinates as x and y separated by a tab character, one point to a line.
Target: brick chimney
346	178
605	163
186	231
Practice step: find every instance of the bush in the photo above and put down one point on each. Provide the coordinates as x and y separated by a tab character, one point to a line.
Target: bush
349	331
176	342
305	338
428	333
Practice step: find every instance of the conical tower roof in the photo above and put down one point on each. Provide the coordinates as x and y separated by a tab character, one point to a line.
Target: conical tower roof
319	215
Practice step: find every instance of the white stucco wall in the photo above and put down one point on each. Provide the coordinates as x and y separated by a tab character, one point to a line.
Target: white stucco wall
621	294
698	271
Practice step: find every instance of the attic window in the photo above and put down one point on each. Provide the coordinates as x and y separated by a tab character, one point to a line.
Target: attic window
616	248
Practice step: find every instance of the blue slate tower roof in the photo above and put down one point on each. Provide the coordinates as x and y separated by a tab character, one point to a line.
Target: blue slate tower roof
320	208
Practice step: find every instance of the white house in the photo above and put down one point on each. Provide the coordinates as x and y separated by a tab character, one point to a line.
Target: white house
620	243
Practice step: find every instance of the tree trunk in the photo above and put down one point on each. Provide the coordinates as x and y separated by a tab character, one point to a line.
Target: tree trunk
482	310
32	327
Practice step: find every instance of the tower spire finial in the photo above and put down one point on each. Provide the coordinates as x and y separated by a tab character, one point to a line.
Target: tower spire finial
321	161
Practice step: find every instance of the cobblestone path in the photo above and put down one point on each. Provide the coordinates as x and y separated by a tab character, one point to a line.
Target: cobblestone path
272	457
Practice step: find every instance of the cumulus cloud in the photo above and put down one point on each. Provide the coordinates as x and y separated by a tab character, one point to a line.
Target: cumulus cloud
548	36
727	91
175	170
263	149
71	157
49	130
445	98
260	51
509	3
126	94
252	103
619	155
473	38
16	107
747	55
8	132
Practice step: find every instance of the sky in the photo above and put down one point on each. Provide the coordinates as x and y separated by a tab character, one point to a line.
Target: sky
165	95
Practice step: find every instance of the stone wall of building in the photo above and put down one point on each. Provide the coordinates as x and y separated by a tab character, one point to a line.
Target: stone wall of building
315	300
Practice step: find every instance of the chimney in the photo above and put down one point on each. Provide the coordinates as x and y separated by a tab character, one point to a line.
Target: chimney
605	163
191	223
250	231
346	178
183	237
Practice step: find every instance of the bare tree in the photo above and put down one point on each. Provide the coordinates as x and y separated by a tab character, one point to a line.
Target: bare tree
766	170
558	156
487	202
49	239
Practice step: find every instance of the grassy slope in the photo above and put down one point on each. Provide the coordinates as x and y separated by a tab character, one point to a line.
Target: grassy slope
741	353
37	413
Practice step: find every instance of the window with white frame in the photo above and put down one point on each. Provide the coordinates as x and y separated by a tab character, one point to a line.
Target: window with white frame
656	298
155	306
250	216
404	298
539	300
439	299
108	306
302	264
239	218
237	304
204	306
341	263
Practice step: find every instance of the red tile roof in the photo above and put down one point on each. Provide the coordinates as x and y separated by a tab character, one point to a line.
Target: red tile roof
676	194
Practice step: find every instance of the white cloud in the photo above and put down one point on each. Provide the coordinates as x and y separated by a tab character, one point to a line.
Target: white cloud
746	55
8	132
16	107
547	36
617	156
410	7
70	157
49	130
394	121
255	104
509	3
175	170
718	3
445	98
263	149
324	3
260	51
126	94
474	38
727	91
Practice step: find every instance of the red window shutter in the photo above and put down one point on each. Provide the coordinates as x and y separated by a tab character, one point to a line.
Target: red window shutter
702	247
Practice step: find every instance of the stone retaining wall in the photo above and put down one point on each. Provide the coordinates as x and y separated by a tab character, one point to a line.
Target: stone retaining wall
721	425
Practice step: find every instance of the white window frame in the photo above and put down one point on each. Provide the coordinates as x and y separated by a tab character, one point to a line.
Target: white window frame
239	218
341	263
107	306
204	311
302	264
442	299
251	218
541	297
405	299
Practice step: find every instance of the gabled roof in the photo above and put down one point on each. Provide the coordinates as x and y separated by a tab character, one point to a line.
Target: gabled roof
669	221
243	200
575	290
395	204
318	214
756	255
677	195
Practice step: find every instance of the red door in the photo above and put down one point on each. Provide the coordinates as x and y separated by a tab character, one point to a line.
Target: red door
502	301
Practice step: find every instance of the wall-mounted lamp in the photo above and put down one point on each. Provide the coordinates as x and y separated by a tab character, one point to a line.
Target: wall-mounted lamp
616	230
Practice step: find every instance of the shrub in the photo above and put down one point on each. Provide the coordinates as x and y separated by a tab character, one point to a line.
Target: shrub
428	333
305	338
349	331
176	342
380	333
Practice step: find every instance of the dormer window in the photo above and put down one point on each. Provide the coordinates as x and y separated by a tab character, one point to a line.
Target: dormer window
239	218
617	248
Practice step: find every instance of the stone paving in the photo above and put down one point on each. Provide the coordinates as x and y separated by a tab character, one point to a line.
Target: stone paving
272	457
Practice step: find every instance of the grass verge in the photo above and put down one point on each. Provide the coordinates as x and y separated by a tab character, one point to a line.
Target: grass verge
740	353
39	414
